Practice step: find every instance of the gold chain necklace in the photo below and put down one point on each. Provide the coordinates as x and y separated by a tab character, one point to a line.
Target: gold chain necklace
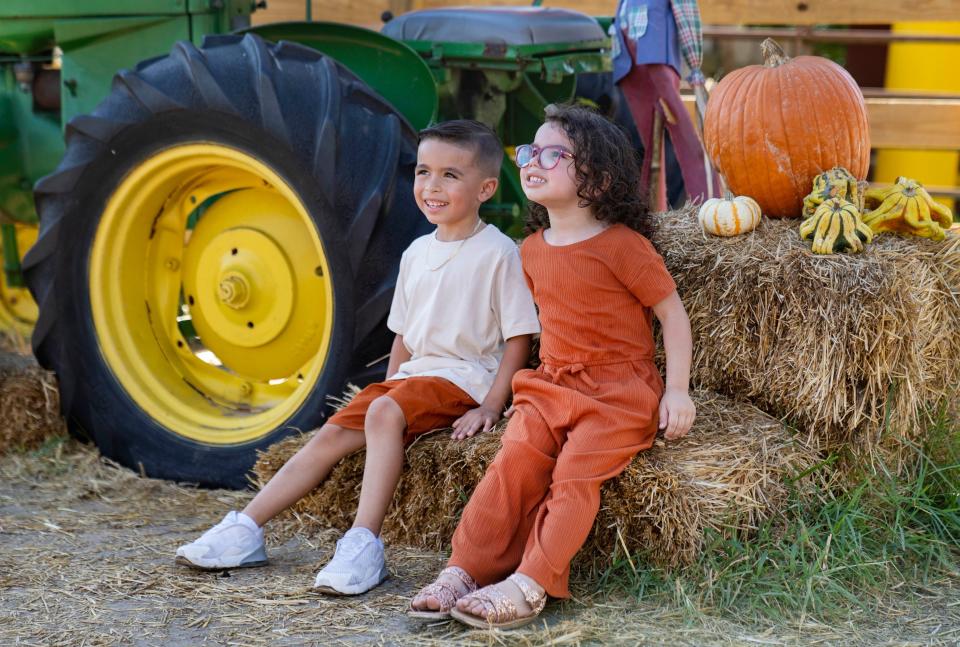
473	233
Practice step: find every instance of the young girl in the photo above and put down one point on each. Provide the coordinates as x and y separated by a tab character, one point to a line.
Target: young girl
595	401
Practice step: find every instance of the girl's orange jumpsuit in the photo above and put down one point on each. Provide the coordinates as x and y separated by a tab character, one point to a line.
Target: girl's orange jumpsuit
579	418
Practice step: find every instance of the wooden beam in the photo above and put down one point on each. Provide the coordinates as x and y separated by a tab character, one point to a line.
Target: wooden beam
809	12
713	12
915	123
926	124
765	12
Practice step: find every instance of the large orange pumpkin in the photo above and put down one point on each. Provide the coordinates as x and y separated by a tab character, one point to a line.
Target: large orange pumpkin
771	128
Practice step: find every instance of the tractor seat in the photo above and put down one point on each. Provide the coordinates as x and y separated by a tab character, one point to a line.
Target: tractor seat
495	25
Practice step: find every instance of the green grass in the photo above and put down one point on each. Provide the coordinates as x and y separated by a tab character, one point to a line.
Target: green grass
49	447
827	555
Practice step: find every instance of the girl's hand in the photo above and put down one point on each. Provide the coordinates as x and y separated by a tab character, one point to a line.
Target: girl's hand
677	413
481	418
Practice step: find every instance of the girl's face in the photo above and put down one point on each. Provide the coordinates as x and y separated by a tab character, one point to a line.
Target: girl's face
556	187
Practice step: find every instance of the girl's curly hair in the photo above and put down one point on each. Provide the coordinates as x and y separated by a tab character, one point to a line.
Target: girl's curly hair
606	170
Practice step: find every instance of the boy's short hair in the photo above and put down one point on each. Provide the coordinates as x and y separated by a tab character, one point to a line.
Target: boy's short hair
471	134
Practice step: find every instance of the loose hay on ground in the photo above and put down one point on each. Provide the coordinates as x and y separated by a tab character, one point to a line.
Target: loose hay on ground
839	344
727	475
29	403
87	558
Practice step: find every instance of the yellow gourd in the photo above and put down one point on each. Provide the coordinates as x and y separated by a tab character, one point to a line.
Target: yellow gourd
838	182
906	208
836	226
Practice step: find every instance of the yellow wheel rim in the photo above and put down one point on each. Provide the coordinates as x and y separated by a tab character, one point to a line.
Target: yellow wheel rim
18	310
211	294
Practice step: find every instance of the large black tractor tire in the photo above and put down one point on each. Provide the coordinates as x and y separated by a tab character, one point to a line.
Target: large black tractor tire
346	154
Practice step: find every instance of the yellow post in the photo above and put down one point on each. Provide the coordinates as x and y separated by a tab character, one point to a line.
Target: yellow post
928	67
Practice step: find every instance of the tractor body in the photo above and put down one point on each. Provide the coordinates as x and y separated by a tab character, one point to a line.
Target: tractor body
222	208
57	59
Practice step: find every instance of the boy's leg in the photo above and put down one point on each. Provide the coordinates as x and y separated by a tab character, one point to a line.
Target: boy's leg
414	405
237	541
384	436
304	471
338	438
358	563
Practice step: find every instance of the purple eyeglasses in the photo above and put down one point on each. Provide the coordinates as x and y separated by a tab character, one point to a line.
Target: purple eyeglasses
547	157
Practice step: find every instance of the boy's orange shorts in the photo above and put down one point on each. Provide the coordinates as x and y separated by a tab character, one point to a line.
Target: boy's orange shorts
427	403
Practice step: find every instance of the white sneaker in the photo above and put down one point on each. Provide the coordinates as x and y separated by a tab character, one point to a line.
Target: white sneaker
232	543
357	565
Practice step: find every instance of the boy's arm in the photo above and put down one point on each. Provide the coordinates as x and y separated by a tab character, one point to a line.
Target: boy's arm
516	354
398	355
676	408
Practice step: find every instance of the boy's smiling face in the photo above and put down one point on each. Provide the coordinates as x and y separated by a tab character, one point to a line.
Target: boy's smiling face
449	185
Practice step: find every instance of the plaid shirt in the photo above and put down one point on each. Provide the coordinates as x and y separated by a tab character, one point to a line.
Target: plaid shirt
686	13
663	31
650	26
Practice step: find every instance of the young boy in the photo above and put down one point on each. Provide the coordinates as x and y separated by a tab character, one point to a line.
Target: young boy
463	318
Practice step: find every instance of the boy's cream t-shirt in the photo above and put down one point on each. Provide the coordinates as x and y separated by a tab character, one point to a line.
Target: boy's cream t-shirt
455	305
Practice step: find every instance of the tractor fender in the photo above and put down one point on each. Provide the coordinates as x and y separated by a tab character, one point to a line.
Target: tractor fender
391	68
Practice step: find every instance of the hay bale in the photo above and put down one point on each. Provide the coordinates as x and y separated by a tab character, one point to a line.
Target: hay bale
839	345
29	404
728	475
12	341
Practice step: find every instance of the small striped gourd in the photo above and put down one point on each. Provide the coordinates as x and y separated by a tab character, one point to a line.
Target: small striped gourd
729	216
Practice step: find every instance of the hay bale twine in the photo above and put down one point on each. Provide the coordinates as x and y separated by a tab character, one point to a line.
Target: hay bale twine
846	347
728	475
29	404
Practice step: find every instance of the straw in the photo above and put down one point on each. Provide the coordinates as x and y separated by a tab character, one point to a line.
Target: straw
729	474
856	350
29	404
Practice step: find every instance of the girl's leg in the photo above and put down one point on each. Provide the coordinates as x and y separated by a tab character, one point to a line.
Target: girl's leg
597	449
489	541
304	471
565	518
384	428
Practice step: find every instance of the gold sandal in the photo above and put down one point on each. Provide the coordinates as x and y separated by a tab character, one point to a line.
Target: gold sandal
446	594
500	611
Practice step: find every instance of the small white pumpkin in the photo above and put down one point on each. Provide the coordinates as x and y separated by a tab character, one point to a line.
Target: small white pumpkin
730	216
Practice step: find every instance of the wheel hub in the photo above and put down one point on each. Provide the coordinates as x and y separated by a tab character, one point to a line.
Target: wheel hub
242	286
234	291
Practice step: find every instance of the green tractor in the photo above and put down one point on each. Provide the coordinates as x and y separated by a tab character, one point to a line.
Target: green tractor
220	236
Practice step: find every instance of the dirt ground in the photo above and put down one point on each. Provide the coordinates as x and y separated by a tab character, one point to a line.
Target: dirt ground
86	558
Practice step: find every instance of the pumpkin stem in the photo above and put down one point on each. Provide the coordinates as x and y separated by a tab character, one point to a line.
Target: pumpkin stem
773	54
